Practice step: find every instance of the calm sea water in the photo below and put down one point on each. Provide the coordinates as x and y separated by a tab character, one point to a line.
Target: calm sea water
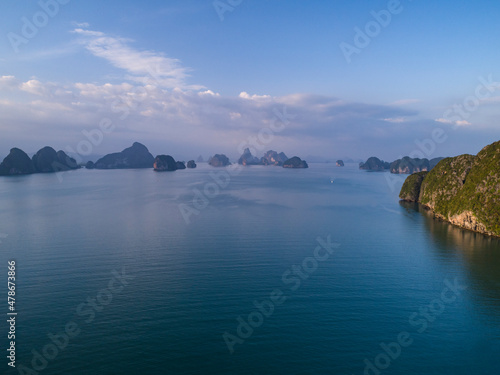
190	284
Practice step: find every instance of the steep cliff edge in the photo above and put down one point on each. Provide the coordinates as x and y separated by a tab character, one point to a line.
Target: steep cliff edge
464	190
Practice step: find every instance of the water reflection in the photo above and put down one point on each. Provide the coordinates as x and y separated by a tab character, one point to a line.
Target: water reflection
481	255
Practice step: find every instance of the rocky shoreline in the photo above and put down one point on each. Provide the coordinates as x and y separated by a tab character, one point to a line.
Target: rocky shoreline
463	190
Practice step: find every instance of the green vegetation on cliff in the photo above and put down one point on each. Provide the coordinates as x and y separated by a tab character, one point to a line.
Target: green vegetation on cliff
481	192
464	190
442	184
411	188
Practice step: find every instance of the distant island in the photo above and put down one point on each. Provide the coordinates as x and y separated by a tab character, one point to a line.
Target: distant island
409	165
374	164
463	190
272	158
164	163
339	163
295	162
248	159
46	160
406	165
136	156
219	160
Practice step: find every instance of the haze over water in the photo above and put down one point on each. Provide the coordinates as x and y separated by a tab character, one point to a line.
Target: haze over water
189	282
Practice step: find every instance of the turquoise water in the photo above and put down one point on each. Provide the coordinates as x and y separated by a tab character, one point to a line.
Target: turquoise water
189	285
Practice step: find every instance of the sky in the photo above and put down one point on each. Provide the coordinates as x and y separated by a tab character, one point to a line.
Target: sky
317	79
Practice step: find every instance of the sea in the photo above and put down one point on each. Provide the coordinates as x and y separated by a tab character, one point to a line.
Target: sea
254	270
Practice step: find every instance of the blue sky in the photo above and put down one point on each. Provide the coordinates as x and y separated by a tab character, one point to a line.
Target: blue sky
219	82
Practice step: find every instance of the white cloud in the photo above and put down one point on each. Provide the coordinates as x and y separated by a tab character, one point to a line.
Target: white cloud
88	32
34	86
146	67
457	123
208	92
245	95
396	120
104	91
81	24
47	113
8	82
443	121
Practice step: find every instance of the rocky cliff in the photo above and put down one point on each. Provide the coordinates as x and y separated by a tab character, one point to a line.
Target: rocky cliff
164	163
273	158
410	165
411	188
136	156
47	160
180	165
219	160
374	164
295	162
16	163
464	190
248	159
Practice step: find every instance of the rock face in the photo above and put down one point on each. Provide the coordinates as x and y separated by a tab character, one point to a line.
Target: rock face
339	163
219	160
191	164
164	163
463	190
270	158
136	156
434	162
408	165
411	187
16	163
248	159
273	158
66	160
43	160
47	160
180	165
412	165
374	164
295	162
